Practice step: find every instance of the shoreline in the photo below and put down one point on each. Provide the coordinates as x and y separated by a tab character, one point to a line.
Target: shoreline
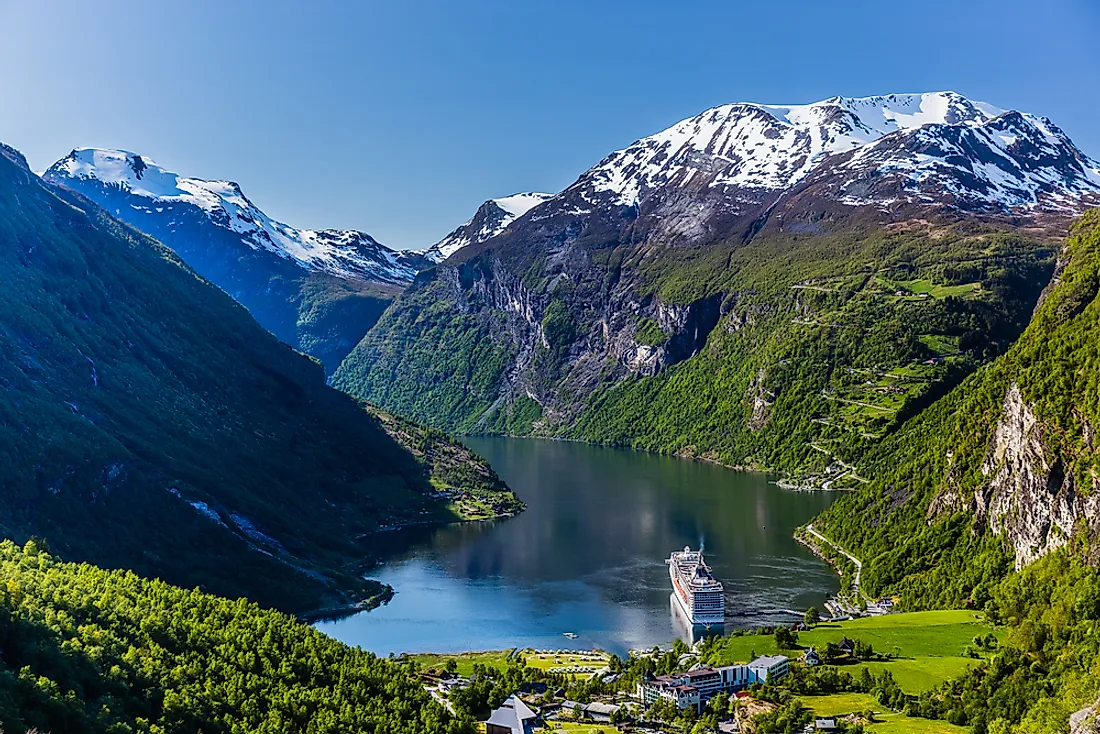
784	481
343	611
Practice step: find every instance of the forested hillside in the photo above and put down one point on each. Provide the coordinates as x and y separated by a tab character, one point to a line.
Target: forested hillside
88	650
775	353
1001	474
148	422
1001	470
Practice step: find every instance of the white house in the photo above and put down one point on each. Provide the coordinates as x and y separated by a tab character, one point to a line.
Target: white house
770	668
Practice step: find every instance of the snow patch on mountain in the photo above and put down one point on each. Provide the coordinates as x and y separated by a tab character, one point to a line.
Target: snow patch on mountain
1004	158
492	218
1014	160
345	253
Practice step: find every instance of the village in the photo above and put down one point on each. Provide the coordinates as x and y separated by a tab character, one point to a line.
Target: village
833	676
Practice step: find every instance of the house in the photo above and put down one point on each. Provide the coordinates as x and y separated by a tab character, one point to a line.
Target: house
825	725
513	717
811	657
770	668
847	645
601	712
449	684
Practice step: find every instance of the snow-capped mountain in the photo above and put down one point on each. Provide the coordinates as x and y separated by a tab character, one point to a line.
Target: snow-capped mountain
318	290
983	155
492	218
343	253
697	240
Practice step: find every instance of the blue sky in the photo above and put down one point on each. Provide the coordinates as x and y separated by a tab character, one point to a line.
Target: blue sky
399	118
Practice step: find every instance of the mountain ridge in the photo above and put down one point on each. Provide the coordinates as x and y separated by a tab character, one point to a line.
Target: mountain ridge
149	422
344	253
317	290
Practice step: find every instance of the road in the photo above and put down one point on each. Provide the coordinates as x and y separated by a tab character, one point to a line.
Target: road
858	563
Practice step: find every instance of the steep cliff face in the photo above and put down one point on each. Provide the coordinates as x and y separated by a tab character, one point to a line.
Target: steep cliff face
555	338
1029	498
1086	721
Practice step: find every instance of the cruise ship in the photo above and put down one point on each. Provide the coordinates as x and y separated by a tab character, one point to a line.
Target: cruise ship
700	595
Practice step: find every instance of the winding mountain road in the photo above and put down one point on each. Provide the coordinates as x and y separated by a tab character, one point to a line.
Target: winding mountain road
858	563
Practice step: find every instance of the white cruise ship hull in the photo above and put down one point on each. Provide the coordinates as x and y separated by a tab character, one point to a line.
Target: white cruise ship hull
701	608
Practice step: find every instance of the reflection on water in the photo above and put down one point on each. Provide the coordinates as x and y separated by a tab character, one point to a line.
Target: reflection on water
588	555
684	629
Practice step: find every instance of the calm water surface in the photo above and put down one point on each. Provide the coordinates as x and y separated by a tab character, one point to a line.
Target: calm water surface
587	556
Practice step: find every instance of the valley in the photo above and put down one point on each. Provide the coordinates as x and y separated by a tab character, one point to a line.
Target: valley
847	347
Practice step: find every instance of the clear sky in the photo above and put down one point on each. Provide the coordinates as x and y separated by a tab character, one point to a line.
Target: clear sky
400	118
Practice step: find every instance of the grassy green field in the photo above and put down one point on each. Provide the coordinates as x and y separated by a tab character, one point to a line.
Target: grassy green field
886	722
930	646
581	727
966	290
465	661
939	343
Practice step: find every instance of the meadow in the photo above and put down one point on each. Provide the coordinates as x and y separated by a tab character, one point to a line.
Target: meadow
925	648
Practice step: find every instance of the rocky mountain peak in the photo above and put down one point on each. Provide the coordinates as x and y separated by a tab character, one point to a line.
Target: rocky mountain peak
491	218
748	153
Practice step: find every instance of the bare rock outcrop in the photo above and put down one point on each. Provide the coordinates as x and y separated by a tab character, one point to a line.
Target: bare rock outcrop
1086	721
1030	498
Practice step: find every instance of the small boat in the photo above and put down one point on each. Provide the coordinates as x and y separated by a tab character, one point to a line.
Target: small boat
570	635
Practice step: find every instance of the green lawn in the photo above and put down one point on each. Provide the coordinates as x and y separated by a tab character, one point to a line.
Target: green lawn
465	661
580	727
499	659
886	722
939	343
930	645
966	290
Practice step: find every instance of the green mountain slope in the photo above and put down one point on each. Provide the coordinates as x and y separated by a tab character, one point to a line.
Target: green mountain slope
148	422
775	352
1001	475
1012	450
87	650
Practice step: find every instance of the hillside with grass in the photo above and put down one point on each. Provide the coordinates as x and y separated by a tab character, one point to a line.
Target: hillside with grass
148	422
1011	451
790	352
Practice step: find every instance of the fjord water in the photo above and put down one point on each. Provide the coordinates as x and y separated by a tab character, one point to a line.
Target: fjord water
587	557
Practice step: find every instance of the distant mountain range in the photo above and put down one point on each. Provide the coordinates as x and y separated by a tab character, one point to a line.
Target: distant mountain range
317	290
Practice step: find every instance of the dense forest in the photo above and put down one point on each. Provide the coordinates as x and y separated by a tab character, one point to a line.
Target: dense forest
88	650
